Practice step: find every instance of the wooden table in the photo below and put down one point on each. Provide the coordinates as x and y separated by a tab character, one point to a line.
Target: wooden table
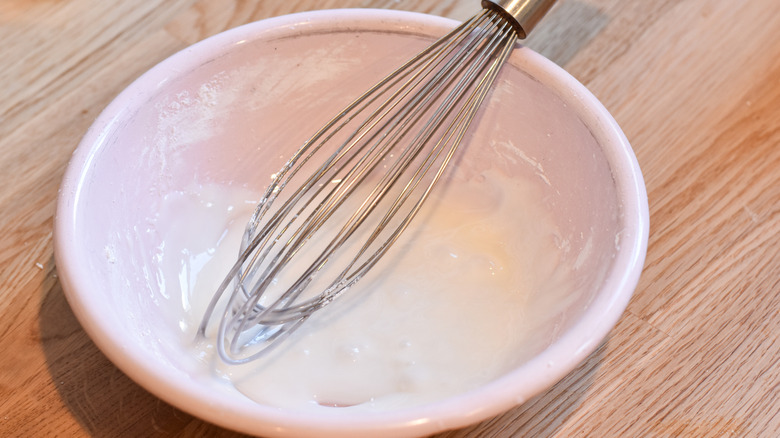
695	84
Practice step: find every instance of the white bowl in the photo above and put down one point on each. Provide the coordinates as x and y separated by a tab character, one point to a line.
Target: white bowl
199	116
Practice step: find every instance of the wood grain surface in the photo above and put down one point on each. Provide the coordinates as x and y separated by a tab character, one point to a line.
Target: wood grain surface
695	84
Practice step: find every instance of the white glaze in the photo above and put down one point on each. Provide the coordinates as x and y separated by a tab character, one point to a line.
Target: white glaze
443	313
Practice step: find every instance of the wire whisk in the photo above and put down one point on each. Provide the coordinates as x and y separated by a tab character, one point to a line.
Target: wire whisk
344	198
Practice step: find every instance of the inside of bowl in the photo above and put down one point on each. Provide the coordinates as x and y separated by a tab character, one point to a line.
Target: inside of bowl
234	120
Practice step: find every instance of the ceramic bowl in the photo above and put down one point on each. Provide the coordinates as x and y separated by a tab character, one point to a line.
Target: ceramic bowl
209	112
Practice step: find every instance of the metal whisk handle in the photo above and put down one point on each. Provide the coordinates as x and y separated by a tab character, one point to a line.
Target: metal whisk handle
522	14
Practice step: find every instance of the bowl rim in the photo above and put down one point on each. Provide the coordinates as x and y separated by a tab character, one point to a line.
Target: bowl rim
517	386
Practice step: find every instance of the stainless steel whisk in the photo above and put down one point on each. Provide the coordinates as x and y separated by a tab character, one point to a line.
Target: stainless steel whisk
343	199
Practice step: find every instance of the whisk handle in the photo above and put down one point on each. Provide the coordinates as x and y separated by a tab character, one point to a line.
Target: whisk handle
523	14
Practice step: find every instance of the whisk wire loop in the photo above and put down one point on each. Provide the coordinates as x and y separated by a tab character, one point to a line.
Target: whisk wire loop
417	118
